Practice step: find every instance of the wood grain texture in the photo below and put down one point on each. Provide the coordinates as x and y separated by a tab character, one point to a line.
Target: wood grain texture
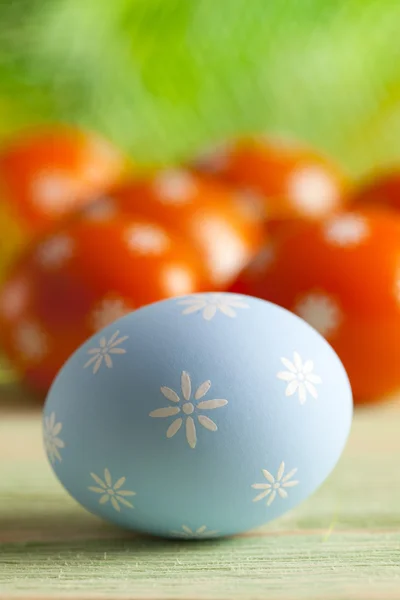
343	543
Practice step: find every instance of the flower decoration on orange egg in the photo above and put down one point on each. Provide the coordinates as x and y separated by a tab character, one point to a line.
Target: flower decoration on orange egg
208	216
84	275
342	276
284	178
46	173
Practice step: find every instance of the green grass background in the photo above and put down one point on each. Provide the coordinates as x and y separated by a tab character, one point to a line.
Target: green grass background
163	78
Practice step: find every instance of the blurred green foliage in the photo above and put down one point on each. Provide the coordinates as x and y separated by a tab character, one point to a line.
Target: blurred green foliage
163	78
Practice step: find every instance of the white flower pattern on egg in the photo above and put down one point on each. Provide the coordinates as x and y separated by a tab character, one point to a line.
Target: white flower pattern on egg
320	311
200	532
52	442
346	231
104	351
210	305
111	492
299	377
187	407
276	485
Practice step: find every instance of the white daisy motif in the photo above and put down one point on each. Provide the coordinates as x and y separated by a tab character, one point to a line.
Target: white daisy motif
262	261
251	205
111	492
320	311
188	407
108	311
147	239
174	187
14	298
30	341
103	209
346	230
54	192
313	191
276	485
299	377
52	442
54	252
201	532
104	352
209	305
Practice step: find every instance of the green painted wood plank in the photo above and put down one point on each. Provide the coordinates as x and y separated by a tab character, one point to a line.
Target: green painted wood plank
299	566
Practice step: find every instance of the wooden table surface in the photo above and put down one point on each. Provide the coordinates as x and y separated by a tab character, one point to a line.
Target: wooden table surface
343	543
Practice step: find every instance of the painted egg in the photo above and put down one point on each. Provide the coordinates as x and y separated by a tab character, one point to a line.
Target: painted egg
199	416
343	277
289	179
44	174
83	276
216	221
379	190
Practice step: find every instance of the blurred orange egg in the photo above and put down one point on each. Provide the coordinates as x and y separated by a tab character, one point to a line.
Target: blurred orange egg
341	275
379	190
217	222
44	174
289	179
82	277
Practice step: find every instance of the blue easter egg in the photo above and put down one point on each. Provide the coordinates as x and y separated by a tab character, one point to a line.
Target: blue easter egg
200	416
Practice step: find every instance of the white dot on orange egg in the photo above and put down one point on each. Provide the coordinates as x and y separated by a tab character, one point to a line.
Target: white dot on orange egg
13	298
54	252
347	230
54	192
226	252
321	311
177	280
313	191
147	239
108	310
30	341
